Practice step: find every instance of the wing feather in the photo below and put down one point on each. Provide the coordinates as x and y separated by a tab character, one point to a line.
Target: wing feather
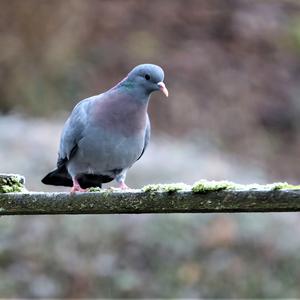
147	136
72	132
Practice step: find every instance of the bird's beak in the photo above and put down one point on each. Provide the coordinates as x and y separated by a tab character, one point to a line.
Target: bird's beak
163	88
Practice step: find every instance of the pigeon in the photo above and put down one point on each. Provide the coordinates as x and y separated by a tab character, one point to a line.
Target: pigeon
107	133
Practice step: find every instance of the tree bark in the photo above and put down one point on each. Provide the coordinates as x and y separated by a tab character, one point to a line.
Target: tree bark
137	201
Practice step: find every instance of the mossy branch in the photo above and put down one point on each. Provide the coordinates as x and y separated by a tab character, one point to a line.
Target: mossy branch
138	201
204	196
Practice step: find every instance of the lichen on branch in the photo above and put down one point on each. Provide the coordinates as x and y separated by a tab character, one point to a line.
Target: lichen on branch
12	183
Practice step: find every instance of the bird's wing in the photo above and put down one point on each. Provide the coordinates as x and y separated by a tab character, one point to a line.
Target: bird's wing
147	136
72	132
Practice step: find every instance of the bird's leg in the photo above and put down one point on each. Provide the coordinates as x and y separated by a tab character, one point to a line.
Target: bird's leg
76	186
120	179
123	186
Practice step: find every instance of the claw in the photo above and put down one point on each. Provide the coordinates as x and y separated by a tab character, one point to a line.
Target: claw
123	186
76	187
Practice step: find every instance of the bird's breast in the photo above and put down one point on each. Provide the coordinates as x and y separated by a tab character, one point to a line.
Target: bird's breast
103	151
125	116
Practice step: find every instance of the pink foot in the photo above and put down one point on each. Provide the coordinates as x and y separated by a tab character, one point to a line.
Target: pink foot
123	186
76	187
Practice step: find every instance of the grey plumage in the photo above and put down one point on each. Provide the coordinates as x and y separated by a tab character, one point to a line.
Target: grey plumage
106	134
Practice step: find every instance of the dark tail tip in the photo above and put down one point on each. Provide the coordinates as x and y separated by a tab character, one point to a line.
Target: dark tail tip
93	180
61	177
58	177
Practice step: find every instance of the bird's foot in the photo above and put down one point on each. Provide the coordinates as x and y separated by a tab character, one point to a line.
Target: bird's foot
123	186
77	188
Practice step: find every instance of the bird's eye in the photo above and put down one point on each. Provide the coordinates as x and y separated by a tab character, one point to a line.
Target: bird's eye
147	77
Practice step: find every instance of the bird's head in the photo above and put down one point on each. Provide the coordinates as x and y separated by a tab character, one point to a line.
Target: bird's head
148	77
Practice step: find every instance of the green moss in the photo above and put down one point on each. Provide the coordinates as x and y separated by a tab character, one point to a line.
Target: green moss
95	190
284	186
104	192
167	188
12	184
204	186
268	187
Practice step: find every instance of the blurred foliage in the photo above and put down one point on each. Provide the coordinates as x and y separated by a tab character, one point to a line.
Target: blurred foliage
232	69
224	60
172	256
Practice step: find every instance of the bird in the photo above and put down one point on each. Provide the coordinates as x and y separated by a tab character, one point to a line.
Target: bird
107	133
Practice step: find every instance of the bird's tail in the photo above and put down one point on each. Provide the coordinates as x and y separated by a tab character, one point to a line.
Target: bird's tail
59	176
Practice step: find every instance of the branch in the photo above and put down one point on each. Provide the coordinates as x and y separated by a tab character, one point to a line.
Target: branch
202	197
136	201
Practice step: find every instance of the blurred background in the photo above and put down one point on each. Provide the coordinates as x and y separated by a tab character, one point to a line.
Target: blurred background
233	71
